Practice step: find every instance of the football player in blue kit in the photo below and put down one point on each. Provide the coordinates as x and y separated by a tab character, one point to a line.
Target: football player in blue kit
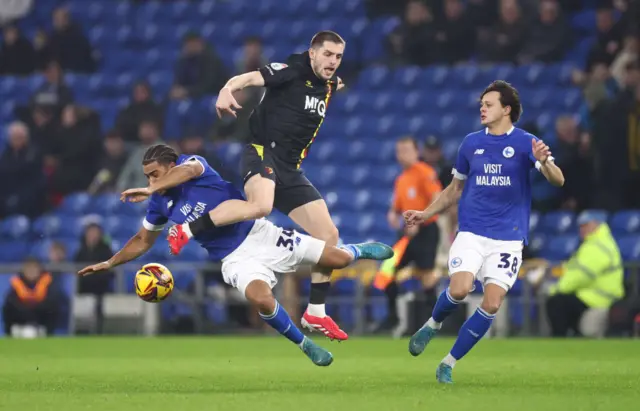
182	188
491	182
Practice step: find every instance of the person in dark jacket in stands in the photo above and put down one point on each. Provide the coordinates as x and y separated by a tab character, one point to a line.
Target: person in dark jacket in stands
17	56
94	247
141	108
32	305
69	45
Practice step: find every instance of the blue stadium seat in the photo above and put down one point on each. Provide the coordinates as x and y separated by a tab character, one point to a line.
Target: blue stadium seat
122	226
558	222
630	248
47	225
15	227
534	221
75	204
14	251
537	242
560	248
625	222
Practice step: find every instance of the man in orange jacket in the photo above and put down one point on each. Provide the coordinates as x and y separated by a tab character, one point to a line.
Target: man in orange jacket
32	304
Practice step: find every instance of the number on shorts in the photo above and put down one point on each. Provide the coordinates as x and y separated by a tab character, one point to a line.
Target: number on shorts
505	263
286	242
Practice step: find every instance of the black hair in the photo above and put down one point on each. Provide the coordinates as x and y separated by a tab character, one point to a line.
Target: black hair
160	153
326	35
508	97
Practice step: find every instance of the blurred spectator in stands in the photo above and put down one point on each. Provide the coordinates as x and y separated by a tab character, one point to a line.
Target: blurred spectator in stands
592	280
609	40
573	150
71	155
548	38
69	45
252	58
432	155
194	144
32	305
617	139
483	13
42	49
411	42
95	247
17	56
383	8
53	94
132	175
629	54
505	39
113	162
21	158
454	35
199	70
57	254
141	108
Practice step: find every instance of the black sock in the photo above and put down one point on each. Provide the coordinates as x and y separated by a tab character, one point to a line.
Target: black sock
202	224
318	293
392	297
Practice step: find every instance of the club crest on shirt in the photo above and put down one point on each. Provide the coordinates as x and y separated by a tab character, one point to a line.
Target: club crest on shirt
508	152
455	262
278	66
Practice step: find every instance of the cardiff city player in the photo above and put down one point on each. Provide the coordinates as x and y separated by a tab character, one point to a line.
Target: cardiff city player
491	180
184	188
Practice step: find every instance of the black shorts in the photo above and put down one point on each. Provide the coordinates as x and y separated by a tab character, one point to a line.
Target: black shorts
422	248
292	187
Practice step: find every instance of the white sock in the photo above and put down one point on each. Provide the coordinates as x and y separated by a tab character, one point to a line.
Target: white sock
449	360
187	230
433	324
317	310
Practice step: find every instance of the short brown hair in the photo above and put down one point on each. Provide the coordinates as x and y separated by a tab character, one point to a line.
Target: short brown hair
326	35
508	97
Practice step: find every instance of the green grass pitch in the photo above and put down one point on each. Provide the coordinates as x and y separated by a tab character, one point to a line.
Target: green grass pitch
269	373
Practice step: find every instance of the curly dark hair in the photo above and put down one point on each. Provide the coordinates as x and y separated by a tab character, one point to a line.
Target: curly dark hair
161	153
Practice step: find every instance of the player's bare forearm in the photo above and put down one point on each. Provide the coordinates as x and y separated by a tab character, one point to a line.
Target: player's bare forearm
135	247
251	79
176	176
552	173
448	197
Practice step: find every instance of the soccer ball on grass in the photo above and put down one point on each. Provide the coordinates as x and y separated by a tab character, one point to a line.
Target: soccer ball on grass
153	282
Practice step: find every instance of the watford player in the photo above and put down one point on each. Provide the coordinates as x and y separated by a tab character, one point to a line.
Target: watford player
283	127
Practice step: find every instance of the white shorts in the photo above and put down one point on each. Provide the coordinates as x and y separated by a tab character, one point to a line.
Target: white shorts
269	249
490	261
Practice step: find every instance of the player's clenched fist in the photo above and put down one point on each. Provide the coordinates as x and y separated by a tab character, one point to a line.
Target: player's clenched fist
413	217
540	150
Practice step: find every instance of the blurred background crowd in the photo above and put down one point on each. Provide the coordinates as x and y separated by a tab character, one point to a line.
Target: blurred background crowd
88	85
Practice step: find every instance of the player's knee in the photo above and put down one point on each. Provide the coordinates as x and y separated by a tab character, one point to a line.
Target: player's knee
457	292
331	236
491	304
259	295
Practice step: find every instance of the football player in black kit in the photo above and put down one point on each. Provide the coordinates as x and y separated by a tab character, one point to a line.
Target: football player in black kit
283	127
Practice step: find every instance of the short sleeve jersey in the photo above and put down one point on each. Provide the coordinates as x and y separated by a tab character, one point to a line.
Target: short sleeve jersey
496	200
190	201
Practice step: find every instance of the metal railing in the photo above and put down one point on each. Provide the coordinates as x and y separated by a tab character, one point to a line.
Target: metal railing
199	294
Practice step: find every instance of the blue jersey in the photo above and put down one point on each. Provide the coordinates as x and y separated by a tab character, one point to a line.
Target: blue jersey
193	199
496	200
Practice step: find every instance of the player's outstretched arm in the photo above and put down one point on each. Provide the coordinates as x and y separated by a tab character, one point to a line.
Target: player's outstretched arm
177	175
135	247
446	199
226	102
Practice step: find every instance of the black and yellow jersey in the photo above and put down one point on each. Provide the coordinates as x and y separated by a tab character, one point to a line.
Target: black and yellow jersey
290	114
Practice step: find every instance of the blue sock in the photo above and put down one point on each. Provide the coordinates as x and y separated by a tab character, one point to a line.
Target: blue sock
444	306
471	332
282	323
351	249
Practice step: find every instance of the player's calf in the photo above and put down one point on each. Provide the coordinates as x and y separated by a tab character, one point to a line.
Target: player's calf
259	295
340	257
